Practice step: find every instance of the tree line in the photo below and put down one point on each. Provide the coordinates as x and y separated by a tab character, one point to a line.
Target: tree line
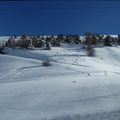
88	41
27	41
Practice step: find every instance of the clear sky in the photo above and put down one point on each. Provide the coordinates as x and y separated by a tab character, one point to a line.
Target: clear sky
60	16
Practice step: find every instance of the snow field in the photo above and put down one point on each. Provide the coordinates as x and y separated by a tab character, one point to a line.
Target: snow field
74	87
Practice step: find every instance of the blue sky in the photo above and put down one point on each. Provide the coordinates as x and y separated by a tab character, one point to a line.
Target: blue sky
54	17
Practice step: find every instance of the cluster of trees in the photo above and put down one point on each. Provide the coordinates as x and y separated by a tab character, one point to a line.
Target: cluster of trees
23	42
89	41
102	40
26	41
92	40
70	39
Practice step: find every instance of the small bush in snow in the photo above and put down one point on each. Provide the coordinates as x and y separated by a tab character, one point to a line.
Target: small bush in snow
3	50
46	63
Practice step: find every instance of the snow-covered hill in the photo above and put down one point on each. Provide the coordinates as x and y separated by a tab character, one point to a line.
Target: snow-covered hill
74	87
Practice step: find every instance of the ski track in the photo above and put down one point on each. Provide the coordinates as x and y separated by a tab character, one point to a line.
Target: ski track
113	115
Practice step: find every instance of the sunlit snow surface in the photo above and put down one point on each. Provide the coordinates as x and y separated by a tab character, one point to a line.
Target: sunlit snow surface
74	87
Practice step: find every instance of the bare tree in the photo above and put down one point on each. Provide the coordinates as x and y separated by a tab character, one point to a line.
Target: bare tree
89	42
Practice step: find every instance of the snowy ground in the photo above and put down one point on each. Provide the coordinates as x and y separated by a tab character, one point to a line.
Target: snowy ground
74	87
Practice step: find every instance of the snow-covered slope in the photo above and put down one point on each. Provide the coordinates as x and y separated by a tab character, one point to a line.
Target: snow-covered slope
74	87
